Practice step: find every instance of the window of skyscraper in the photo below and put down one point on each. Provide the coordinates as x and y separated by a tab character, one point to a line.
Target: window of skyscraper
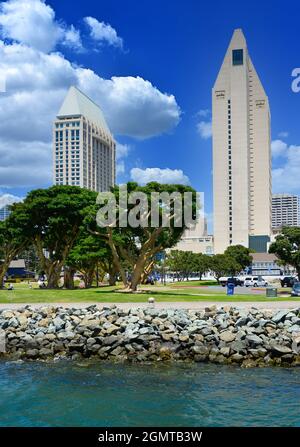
237	57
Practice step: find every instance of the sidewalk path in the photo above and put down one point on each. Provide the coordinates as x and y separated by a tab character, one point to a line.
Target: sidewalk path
266	305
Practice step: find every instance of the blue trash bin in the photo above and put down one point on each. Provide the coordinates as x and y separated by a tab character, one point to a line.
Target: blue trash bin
230	288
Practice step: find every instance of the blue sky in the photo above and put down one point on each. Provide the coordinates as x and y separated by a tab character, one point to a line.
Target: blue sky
155	61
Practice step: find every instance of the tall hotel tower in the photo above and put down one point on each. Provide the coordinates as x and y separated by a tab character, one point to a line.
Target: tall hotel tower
83	147
241	153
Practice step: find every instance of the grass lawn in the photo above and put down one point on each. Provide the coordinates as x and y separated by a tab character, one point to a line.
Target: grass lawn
106	294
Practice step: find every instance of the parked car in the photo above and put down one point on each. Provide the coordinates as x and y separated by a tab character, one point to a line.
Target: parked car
233	280
296	289
255	281
288	281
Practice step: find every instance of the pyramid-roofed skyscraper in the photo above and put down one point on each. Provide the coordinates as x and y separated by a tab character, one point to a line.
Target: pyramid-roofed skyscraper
83	146
241	153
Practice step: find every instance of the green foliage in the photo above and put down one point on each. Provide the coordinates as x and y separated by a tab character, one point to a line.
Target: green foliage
138	245
53	218
224	265
183	263
14	237
239	254
287	247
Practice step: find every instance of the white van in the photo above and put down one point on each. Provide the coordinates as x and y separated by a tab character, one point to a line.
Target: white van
255	281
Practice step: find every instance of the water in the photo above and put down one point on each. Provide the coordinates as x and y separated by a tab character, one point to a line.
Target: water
101	394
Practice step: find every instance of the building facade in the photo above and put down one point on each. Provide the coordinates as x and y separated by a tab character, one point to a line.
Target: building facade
266	264
285	211
200	244
241	153
83	146
4	213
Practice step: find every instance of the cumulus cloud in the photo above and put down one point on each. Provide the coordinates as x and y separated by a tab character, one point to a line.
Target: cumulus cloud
279	148
286	177
103	32
36	83
204	128
72	39
132	105
143	176
122	151
283	134
8	199
204	113
33	23
25	163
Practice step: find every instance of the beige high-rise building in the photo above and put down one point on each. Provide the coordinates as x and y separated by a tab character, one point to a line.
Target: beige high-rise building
241	153
83	146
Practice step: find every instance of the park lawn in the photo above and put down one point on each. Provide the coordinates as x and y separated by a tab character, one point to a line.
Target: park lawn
108	295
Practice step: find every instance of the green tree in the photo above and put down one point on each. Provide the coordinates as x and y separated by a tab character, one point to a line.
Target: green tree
14	238
201	264
56	215
139	245
287	247
223	265
174	262
240	254
88	251
188	263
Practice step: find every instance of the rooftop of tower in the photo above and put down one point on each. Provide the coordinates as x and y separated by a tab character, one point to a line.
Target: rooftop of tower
78	103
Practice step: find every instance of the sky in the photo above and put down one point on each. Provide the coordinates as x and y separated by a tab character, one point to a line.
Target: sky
150	65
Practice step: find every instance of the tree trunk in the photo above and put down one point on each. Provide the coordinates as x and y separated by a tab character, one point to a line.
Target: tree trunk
88	277
69	277
53	272
116	258
138	270
112	279
3	270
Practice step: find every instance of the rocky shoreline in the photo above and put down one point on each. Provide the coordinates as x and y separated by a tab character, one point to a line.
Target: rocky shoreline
224	335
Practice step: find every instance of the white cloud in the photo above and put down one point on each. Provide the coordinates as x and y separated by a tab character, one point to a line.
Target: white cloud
132	105
8	199
204	128
283	134
279	148
286	177
37	81
36	84
25	163
143	176
33	23
72	39
122	151
204	113
120	167
103	32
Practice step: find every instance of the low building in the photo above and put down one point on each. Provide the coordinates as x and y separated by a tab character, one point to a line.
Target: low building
267	264
204	244
4	212
17	269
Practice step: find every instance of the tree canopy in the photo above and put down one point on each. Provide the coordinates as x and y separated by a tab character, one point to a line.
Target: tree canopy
139	244
287	247
54	217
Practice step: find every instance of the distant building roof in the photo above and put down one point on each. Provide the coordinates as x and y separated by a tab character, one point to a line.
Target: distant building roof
264	257
17	264
77	103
